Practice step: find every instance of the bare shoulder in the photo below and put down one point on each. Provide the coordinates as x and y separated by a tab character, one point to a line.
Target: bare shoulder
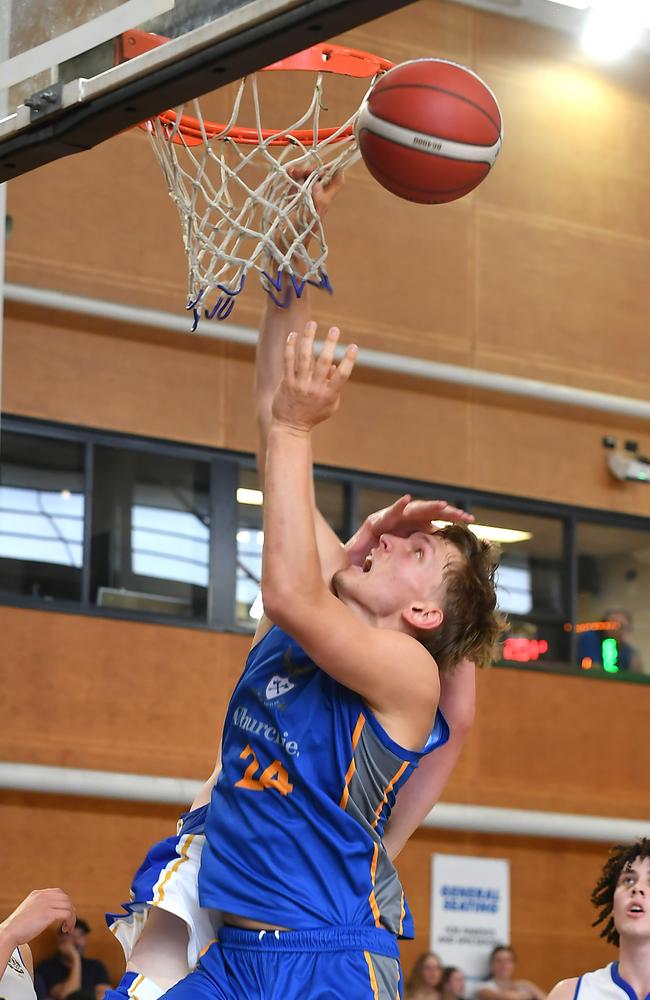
564	990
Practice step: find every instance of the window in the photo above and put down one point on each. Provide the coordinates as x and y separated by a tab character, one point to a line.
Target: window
150	533
613	617
530	582
110	524
250	538
42	509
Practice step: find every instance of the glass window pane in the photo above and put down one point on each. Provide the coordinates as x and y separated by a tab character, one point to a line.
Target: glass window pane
151	534
530	583
330	499
530	577
41	516
613	616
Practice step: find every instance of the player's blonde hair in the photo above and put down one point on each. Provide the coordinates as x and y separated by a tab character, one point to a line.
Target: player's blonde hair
471	625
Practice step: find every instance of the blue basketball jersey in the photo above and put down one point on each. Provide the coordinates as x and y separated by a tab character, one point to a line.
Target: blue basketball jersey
309	777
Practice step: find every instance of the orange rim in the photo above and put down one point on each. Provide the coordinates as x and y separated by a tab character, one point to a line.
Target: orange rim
322	58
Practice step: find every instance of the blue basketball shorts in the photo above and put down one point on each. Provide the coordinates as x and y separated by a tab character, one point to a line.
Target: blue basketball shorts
339	963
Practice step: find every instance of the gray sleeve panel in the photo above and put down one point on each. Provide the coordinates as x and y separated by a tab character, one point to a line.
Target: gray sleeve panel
376	768
387	973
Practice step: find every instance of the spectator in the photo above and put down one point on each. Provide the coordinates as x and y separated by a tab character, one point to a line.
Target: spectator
69	971
425	979
36	912
627	657
452	984
502	984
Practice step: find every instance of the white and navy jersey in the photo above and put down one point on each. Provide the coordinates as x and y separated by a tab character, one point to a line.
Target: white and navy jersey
605	984
295	825
16	982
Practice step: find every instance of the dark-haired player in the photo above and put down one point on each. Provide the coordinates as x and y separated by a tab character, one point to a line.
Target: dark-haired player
622	897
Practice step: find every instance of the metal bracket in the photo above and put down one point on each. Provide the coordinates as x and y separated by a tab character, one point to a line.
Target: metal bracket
45	101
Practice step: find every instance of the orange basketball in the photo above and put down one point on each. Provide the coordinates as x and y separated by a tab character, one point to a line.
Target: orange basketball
429	130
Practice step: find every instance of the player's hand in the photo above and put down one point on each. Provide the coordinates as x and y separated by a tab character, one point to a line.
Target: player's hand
311	387
40	909
323	192
406	516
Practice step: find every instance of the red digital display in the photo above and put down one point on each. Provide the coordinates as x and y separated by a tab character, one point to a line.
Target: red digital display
524	650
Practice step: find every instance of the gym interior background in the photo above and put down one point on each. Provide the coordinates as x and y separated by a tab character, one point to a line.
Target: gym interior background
542	273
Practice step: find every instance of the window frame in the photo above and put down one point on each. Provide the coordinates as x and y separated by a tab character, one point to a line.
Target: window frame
224	466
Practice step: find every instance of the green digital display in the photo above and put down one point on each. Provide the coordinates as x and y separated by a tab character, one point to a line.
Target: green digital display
610	655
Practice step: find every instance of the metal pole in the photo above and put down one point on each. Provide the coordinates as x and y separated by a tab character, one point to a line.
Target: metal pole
41	778
550	392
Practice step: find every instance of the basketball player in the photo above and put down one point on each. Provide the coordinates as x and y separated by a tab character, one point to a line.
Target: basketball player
336	706
36	912
161	953
622	897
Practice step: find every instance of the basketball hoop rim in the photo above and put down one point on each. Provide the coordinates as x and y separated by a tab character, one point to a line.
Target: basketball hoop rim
325	57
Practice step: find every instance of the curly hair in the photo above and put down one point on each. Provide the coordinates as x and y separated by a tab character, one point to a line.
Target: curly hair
471	625
620	857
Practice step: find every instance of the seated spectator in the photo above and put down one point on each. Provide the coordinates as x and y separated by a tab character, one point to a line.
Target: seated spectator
36	912
69	971
502	984
425	979
452	984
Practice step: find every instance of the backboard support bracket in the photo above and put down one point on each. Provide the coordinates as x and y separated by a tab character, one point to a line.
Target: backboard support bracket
45	102
87	123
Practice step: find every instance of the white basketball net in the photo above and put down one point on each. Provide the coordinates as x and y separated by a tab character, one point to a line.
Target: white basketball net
231	225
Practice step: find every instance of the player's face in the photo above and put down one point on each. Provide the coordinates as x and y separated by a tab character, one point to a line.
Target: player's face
431	971
456	983
632	900
398	572
503	964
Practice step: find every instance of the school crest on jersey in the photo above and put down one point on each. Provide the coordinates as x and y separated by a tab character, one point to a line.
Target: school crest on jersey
277	686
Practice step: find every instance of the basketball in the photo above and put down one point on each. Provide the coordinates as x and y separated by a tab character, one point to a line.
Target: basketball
429	130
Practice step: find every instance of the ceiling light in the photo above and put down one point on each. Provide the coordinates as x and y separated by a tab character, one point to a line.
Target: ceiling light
488	533
613	28
255	497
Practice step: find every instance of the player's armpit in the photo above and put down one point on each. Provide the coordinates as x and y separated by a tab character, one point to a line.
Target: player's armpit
390	670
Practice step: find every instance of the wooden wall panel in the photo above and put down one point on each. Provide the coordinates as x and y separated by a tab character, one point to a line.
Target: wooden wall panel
119	696
540	273
151	699
92	848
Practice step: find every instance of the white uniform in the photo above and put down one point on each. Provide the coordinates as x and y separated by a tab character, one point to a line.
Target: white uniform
604	984
16	982
168	878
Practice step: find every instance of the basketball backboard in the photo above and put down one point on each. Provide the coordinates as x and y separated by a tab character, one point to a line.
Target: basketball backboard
63	87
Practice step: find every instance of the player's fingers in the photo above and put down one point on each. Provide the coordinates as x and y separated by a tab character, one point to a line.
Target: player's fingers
305	350
326	357
290	358
336	182
345	366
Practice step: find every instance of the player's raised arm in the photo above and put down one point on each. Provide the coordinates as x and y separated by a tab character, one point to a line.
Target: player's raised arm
359	643
276	325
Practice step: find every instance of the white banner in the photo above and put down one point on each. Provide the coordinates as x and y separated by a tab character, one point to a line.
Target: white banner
470	911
